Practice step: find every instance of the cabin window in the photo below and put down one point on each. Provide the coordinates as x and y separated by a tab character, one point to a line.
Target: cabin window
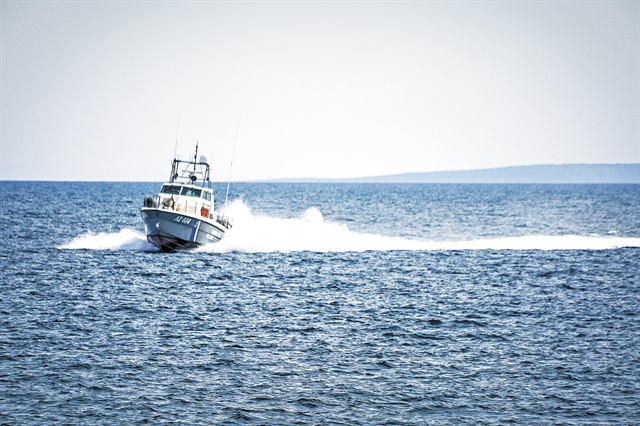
191	192
171	189
206	195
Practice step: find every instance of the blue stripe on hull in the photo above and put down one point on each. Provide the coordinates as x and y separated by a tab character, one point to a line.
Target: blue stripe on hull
194	231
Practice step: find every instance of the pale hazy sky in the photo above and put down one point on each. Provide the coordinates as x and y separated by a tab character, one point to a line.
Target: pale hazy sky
95	90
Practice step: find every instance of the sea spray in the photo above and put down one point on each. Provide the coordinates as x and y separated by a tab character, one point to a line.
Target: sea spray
308	232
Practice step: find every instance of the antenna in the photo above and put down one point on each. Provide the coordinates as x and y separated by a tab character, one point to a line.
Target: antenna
175	151
233	153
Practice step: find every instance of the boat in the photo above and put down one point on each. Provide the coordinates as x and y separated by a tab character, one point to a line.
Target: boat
182	215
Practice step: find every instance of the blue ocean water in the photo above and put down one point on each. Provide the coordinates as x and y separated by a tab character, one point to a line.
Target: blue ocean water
326	304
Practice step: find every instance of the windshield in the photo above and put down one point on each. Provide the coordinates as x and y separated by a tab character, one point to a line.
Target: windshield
191	192
171	189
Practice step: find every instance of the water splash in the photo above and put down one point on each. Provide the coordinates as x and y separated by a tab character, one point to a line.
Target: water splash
308	232
311	232
125	239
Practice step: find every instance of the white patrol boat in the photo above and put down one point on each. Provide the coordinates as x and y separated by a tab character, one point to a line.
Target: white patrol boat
182	216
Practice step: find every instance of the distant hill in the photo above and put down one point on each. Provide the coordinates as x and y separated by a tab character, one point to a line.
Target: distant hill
565	173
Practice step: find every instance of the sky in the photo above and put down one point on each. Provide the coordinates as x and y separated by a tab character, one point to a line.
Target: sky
101	90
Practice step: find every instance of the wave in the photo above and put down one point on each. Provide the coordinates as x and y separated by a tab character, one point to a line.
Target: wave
311	232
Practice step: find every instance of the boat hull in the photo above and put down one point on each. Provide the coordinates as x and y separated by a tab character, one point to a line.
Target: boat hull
171	231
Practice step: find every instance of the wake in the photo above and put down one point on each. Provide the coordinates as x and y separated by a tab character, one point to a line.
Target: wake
310	232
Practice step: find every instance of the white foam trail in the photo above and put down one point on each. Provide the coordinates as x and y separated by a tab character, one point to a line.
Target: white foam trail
310	232
541	242
125	239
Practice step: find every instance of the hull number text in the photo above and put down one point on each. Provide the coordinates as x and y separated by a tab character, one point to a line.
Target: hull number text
182	219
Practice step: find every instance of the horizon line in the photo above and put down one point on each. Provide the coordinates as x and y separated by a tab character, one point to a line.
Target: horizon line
361	179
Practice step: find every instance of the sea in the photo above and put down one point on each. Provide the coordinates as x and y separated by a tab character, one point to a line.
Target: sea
326	304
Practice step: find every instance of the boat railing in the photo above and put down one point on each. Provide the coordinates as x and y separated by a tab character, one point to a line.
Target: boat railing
187	207
224	220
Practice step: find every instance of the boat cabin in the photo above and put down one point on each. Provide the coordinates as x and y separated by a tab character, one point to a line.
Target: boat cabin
187	198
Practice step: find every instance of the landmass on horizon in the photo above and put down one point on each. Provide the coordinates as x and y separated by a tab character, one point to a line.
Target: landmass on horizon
563	173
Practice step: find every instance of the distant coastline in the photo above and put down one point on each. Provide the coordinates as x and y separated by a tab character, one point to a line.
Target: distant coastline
564	173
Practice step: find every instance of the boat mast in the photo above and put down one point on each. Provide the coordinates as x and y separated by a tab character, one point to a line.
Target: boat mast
233	153
195	158
175	151
174	164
